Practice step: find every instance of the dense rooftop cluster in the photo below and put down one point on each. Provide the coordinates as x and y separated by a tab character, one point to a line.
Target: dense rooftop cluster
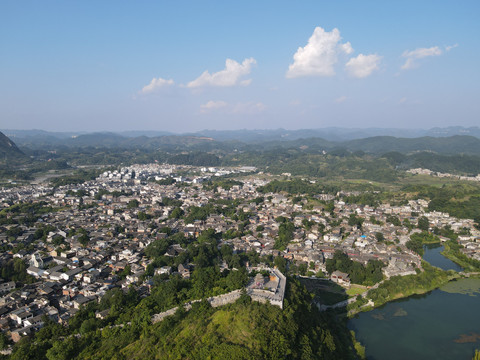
93	236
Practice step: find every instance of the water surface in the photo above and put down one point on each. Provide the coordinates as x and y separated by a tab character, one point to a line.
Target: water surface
443	324
433	256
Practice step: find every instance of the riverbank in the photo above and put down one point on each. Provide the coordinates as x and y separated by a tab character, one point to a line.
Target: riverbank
442	324
439	286
452	251
440	269
399	287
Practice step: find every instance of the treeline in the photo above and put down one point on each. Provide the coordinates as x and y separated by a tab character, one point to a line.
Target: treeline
195	159
296	162
403	286
78	177
452	250
455	164
417	240
122	156
459	200
26	170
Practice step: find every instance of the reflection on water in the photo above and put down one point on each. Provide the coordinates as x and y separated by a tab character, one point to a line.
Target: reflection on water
400	312
443	324
464	338
378	316
388	315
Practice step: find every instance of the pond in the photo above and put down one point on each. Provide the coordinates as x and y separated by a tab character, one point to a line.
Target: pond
443	324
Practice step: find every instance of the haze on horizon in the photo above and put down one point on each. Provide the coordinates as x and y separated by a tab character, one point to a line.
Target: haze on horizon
184	67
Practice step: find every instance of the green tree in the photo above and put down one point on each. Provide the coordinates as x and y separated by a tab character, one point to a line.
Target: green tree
134	203
63	350
4	342
416	245
353	220
285	235
423	223
57	240
281	264
143	216
176	213
157	248
126	271
84	239
392	219
302	269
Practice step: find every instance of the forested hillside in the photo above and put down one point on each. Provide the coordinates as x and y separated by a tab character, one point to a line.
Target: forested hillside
243	330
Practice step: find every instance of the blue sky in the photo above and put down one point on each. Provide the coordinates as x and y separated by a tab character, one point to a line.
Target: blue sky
191	65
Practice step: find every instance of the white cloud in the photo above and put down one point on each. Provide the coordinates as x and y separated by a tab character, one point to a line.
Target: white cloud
156	84
419	53
346	48
212	105
248	108
450	47
423	52
230	76
363	65
340	99
238	108
320	54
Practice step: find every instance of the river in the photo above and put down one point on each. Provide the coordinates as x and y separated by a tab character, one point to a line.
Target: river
433	256
443	324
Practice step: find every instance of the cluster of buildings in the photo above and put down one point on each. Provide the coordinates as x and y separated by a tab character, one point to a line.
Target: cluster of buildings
444	175
144	172
69	272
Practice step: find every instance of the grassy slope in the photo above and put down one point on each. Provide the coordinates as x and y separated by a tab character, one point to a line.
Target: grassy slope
246	331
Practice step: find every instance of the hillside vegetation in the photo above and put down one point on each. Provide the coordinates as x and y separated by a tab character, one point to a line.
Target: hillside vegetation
9	151
243	330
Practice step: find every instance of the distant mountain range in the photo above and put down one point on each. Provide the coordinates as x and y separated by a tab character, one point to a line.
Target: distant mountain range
262	140
335	133
330	133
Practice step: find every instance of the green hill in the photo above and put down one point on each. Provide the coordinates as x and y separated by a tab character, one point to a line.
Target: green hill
247	330
242	330
8	150
444	145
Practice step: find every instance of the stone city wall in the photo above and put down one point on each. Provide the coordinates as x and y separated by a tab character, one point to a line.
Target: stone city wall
255	294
